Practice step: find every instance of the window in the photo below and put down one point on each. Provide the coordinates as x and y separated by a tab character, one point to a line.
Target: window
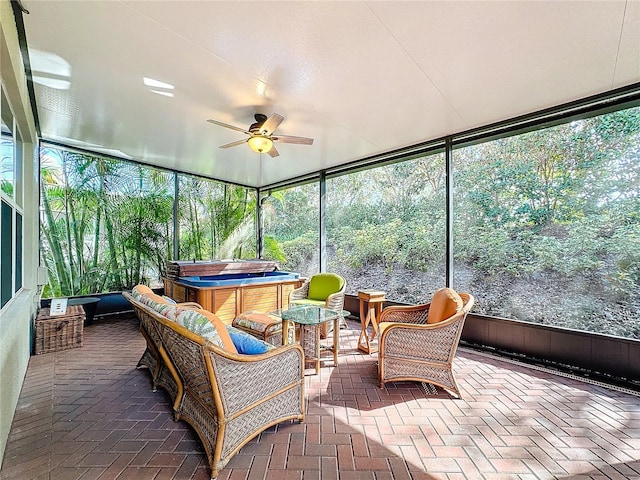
216	220
7	164
547	227
545	224
107	224
18	276
292	228
10	209
386	228
6	252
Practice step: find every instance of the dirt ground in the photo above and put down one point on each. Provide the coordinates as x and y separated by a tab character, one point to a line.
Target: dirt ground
548	299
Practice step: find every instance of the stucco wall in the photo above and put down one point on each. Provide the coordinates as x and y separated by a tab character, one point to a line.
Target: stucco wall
17	316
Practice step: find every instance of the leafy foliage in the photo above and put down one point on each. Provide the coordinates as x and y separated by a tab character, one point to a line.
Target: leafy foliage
108	224
291	228
217	220
546	225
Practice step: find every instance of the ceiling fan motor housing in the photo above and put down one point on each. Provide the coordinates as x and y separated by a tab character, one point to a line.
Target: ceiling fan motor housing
260	119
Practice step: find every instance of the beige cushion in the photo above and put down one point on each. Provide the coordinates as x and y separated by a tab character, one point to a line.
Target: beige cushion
157	298
257	321
444	304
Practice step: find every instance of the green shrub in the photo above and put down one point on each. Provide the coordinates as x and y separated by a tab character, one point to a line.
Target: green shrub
625	246
299	252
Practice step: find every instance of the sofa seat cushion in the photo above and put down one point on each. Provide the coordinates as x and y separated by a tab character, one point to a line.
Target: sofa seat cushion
208	326
321	285
445	303
257	321
247	344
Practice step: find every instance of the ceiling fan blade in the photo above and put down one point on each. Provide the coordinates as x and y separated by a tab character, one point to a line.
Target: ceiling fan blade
233	144
271	123
291	139
226	125
273	152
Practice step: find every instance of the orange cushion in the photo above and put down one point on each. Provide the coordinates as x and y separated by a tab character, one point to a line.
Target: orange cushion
221	328
157	298
444	304
142	289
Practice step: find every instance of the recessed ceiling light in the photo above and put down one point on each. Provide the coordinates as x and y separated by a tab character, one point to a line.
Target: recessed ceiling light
50	70
166	94
57	83
150	82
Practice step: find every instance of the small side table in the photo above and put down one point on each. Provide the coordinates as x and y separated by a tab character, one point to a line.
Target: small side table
89	305
374	300
309	318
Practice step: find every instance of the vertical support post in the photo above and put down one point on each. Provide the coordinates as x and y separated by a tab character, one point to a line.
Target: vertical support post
259	223
323	224
176	219
449	212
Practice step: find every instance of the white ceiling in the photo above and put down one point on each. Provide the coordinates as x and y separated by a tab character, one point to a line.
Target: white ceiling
361	77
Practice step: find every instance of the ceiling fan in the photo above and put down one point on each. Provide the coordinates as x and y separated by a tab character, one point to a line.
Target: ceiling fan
261	134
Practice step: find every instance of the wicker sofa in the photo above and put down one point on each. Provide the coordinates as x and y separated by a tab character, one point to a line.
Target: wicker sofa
228	398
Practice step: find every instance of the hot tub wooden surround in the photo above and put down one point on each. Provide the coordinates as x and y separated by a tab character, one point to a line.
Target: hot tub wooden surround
231	298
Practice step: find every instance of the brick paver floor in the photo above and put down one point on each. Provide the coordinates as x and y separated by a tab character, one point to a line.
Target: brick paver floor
88	413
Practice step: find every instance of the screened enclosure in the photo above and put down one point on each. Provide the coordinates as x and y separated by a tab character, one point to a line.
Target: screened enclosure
542	223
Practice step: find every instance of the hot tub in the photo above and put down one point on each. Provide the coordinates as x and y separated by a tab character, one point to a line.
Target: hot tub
233	279
229	288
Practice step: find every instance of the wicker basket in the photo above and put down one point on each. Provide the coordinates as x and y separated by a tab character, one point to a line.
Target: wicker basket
59	332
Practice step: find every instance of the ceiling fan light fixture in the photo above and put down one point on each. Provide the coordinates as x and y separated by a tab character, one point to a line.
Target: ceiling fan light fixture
260	144
261	139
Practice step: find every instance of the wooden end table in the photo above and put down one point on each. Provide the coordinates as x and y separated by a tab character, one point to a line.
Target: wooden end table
369	315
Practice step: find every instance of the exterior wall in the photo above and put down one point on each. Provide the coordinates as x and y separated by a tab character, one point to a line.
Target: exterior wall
596	354
16	318
584	351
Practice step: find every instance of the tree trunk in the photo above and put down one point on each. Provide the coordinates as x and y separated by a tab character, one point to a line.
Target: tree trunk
52	234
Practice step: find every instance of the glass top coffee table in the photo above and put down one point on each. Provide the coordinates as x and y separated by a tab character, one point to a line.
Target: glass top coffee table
309	318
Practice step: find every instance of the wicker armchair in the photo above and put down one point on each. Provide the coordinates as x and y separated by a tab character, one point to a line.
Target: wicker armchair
412	349
323	290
